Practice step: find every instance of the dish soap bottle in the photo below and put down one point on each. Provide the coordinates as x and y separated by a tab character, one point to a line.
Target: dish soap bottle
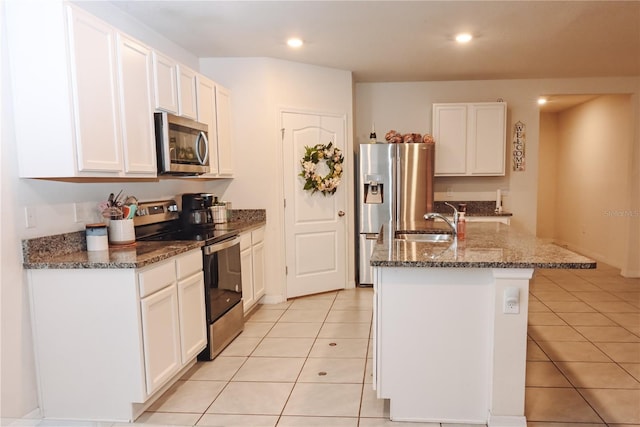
462	222
372	135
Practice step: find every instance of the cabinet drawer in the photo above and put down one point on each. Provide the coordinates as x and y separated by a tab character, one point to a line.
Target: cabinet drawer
189	264
156	278
245	241
257	236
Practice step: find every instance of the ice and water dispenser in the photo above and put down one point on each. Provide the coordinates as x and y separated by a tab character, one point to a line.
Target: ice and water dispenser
373	190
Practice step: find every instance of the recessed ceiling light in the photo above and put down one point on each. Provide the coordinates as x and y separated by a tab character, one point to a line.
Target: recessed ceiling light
464	38
294	42
542	101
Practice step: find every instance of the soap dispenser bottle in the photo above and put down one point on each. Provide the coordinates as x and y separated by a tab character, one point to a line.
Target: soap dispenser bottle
462	222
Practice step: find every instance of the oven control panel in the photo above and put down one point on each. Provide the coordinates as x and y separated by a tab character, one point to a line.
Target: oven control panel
156	211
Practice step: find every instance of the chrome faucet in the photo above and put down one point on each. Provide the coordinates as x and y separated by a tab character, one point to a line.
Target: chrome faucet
453	225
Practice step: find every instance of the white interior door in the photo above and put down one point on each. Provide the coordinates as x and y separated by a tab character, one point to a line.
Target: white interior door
315	225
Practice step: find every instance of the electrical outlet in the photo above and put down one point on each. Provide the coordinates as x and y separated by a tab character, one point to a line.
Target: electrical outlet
29	217
511	301
449	192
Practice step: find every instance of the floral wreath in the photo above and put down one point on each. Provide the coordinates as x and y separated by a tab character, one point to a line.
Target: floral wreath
333	158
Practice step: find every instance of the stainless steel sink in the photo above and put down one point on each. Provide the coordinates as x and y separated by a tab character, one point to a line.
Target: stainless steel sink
425	237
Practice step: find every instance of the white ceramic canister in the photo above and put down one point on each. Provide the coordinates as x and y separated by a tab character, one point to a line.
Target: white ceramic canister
121	232
97	237
219	212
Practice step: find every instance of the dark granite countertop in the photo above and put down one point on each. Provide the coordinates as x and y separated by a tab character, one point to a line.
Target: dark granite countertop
69	250
140	255
474	208
487	245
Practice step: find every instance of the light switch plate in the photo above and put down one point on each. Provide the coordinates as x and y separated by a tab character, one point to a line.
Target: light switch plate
29	217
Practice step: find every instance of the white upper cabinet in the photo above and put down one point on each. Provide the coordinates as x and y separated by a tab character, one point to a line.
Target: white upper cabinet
450	133
223	119
75	119
165	78
187	100
470	139
138	134
95	98
91	113
214	109
207	115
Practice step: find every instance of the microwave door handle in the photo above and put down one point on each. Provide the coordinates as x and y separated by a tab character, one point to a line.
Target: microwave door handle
202	136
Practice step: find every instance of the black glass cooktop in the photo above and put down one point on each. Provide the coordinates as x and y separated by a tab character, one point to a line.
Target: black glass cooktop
173	231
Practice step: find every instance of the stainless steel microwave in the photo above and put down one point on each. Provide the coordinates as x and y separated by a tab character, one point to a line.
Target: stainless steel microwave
182	145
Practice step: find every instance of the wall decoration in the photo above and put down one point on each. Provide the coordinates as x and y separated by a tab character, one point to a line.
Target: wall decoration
314	181
519	142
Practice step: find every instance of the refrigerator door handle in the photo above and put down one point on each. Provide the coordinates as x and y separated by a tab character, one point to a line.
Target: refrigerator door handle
371	236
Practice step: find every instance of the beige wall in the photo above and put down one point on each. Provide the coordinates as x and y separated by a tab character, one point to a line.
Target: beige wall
261	87
593	210
547	175
407	107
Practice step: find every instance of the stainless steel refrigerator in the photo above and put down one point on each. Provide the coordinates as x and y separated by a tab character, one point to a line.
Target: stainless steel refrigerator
395	189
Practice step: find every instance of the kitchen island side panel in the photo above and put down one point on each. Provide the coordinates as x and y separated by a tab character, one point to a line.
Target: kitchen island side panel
434	328
444	349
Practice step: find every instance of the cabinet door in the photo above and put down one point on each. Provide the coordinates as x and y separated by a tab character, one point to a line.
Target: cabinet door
95	98
450	133
207	114
223	120
487	138
257	252
165	81
247	279
192	314
187	101
138	137
160	337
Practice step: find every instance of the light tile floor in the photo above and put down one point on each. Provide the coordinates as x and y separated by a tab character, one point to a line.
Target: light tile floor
307	362
583	353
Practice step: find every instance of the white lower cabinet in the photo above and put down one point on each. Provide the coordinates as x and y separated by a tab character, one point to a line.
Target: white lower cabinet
191	310
109	341
161	337
252	264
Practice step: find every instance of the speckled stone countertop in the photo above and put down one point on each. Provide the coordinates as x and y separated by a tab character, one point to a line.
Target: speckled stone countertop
487	245
140	255
474	208
245	220
69	250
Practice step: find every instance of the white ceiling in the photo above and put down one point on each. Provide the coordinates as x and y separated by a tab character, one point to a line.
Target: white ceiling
412	40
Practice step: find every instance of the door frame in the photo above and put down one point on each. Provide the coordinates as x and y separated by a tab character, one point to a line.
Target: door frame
347	181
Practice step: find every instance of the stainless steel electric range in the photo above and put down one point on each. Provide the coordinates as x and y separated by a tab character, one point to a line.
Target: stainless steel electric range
161	221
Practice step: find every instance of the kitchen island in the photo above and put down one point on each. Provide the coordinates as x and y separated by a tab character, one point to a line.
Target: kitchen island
450	323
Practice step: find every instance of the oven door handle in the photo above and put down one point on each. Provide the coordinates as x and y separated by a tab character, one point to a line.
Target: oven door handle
216	247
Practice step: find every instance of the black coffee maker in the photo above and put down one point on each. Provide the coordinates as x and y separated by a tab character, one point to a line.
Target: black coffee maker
196	210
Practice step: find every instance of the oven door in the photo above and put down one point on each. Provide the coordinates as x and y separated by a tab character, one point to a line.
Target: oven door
222	277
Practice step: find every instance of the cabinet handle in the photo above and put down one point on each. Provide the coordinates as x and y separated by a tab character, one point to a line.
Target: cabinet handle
340	213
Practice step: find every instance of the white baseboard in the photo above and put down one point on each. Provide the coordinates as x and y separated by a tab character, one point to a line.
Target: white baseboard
272	299
632	274
506	421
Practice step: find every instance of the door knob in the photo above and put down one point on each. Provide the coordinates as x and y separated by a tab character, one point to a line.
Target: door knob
340	213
